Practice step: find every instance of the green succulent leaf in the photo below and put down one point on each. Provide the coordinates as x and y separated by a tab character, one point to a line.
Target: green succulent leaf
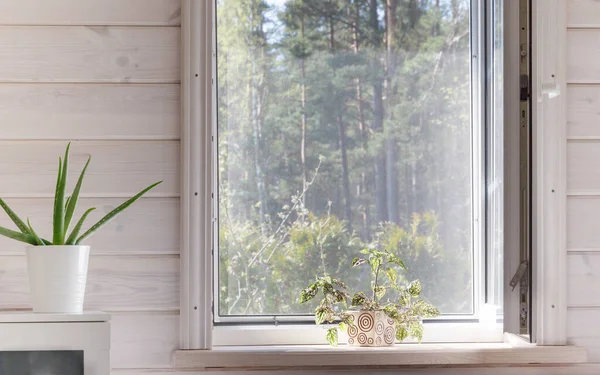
14	217
332	336
111	215
59	199
38	240
77	229
72	200
27	238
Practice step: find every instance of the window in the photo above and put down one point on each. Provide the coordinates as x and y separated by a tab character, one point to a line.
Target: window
343	124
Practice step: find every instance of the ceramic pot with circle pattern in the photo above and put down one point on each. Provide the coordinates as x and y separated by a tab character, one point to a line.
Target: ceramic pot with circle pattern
371	328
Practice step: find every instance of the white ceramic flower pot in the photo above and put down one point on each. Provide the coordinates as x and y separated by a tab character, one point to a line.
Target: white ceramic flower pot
57	278
371	328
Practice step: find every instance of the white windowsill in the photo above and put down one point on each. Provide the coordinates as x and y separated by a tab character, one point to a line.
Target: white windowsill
401	355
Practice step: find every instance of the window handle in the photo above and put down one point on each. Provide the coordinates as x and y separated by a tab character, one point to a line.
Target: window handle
521	271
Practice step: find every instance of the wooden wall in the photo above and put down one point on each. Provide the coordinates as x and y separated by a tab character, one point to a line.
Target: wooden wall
583	172
105	74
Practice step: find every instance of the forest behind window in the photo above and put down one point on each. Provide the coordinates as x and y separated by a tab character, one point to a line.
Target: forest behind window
342	124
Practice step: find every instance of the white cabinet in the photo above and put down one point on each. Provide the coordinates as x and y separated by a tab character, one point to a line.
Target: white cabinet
88	332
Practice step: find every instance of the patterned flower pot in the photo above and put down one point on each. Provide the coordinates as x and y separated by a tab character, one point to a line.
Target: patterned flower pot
371	328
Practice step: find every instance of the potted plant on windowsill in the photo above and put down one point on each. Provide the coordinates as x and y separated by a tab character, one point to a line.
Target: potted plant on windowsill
392	311
57	269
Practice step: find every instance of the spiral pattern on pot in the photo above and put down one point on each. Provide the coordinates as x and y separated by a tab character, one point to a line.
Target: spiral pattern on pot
389	335
362	338
390	320
350	341
365	322
379	327
378	341
352	331
370	341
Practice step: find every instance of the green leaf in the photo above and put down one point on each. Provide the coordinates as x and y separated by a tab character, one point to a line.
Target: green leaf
72	201
391	310
106	219
397	261
415	288
416	331
323	314
27	238
392	275
332	336
359	299
59	200
37	238
401	333
13	216
380	291
73	237
308	293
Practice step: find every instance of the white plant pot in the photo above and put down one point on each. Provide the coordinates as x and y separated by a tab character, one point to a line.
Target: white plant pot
371	328
57	278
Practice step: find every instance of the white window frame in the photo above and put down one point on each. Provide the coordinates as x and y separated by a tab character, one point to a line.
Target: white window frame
197	203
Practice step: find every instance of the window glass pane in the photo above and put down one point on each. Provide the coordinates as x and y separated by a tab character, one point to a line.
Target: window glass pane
342	124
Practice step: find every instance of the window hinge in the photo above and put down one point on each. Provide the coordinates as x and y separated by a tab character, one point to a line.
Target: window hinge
521	272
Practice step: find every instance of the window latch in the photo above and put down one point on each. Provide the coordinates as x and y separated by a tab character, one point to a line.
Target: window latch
521	271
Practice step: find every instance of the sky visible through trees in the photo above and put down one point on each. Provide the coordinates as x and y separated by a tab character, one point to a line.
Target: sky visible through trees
342	124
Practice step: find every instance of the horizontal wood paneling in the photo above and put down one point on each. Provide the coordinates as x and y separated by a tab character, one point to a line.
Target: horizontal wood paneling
90	12
144	340
90	111
583	112
583	170
583	330
583	232
583	13
150	226
118	168
114	283
583	50
89	54
583	274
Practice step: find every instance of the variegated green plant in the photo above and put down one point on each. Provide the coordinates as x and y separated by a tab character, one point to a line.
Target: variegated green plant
64	208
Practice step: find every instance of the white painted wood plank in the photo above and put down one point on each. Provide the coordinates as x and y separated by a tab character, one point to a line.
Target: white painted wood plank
583	279
89	111
399	355
583	13
118	168
150	226
583	111
583	50
90	12
115	283
581	369
144	340
583	330
89	54
583	232
583	170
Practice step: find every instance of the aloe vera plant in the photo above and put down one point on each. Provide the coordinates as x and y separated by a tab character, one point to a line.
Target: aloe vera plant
64	209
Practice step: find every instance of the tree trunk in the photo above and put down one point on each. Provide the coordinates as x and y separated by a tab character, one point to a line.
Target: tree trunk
363	187
345	174
390	146
303	119
377	127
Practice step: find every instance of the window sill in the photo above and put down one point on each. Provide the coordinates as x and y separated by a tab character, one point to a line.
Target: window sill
400	355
